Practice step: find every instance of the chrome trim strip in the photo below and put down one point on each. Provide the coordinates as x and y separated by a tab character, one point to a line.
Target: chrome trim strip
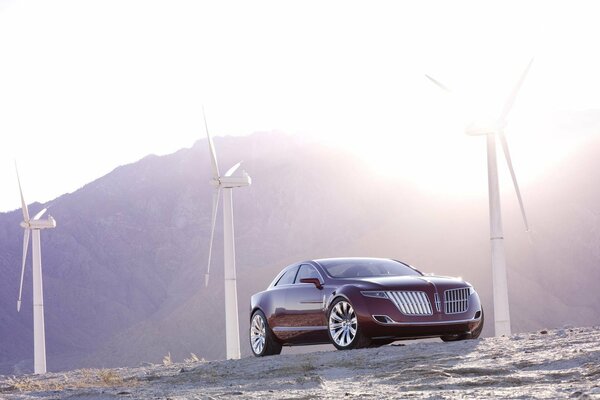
424	323
298	328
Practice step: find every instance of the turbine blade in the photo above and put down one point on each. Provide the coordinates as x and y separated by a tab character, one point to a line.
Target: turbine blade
215	210
39	215
231	170
23	204
438	84
514	177
510	101
25	248
211	149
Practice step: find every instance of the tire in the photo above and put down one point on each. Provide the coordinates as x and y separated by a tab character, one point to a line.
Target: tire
262	340
465	336
454	338
342	326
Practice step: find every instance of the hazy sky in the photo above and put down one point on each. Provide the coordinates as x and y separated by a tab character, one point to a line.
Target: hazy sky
86	86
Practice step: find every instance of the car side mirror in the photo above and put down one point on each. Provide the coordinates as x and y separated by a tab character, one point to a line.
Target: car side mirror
314	281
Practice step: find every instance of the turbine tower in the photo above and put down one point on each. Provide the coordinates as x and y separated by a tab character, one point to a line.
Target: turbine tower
34	226
226	184
492	131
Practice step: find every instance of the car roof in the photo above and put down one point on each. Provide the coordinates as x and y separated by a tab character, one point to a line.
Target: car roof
358	259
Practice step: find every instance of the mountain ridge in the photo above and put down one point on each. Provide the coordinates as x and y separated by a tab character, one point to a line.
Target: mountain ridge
124	270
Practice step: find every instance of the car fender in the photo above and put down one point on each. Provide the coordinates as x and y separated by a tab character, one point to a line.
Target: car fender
352	294
260	301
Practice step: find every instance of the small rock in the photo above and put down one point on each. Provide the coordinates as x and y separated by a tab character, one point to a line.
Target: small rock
182	370
543	332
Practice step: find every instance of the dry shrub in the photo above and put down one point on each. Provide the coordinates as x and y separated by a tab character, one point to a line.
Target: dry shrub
110	377
85	378
167	360
194	359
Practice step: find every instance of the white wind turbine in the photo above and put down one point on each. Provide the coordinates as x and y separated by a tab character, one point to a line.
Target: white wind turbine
499	276
226	183
35	225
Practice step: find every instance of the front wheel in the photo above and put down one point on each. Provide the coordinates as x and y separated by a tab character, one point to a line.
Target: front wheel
343	329
262	341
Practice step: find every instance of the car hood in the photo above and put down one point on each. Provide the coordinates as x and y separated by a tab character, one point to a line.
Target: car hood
412	282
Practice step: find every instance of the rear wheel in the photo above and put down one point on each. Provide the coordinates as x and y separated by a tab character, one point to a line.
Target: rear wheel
262	341
343	329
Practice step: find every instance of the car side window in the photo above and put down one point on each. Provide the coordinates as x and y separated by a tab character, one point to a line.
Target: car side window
288	277
307	271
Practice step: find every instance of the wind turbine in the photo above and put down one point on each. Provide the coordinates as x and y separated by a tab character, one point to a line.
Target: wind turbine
34	226
494	130
226	184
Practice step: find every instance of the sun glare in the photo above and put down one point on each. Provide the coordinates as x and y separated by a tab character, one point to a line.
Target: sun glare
428	146
442	162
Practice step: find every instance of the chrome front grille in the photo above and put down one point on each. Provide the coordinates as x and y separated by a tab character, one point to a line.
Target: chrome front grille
411	303
456	301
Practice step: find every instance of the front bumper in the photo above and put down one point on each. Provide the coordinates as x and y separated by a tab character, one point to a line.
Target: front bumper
381	319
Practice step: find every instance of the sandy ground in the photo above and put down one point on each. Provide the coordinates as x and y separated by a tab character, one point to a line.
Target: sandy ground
562	363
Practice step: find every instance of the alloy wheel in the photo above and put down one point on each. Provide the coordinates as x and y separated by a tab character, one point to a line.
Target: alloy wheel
342	323
258	334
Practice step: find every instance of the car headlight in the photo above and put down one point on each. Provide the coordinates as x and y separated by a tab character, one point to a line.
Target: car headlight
471	289
375	293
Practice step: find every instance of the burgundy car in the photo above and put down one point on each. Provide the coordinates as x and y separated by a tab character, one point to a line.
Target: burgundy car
360	302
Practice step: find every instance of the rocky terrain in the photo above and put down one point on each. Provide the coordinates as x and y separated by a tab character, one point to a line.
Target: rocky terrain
563	363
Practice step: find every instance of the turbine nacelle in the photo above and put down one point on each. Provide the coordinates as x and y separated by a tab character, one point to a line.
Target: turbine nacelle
39	223
228	182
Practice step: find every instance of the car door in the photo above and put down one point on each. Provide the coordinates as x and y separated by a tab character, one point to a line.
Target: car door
280	318
305	308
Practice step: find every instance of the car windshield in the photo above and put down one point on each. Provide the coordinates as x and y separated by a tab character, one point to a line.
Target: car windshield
365	267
